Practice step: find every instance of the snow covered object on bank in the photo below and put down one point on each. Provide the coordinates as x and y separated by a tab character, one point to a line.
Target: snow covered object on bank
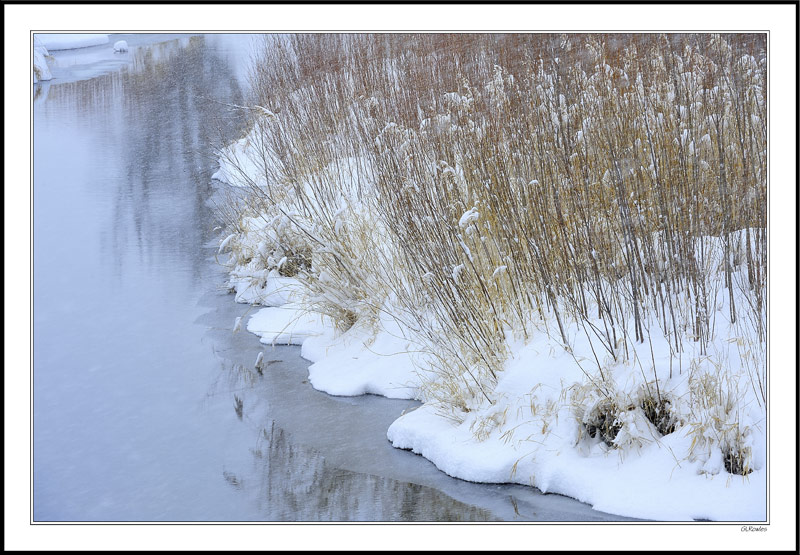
41	71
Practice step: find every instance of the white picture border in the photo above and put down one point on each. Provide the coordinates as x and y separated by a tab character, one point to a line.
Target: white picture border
777	19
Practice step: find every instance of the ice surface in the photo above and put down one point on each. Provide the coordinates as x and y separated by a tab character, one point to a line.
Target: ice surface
68	41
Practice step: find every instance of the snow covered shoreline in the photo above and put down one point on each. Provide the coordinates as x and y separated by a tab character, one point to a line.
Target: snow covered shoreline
531	434
668	425
654	479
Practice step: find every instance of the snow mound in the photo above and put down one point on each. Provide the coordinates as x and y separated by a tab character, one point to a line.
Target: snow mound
531	434
121	46
41	72
355	362
362	361
289	324
264	287
649	484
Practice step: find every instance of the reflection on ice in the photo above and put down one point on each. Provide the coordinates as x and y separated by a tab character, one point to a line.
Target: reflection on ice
40	91
296	484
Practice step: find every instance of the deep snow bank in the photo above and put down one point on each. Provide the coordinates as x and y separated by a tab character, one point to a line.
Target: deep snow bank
533	435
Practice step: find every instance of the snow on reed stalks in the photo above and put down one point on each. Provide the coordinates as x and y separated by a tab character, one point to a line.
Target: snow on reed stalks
491	188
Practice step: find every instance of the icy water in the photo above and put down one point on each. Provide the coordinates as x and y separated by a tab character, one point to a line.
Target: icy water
146	405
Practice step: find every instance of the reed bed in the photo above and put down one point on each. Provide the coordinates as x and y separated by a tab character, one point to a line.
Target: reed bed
487	188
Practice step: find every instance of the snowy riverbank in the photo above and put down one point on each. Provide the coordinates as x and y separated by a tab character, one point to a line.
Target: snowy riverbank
533	433
668	425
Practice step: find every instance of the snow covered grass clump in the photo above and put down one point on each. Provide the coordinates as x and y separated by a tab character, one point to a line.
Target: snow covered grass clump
557	242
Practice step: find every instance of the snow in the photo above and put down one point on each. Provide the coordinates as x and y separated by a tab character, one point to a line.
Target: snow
347	364
289	324
239	163
224	244
264	288
468	218
359	362
41	71
68	41
120	46
39	46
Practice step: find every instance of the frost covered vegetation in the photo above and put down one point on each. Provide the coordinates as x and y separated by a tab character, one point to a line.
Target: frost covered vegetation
557	242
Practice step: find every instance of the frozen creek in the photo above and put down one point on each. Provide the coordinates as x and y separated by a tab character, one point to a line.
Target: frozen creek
146	404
